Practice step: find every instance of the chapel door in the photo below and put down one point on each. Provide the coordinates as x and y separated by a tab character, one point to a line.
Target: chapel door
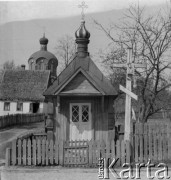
80	121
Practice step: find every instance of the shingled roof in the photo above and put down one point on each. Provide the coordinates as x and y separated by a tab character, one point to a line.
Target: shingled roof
23	85
89	69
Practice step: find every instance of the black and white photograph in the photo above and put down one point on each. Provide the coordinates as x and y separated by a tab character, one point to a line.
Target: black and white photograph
85	89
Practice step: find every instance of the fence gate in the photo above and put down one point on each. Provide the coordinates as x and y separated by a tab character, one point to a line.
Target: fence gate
76	153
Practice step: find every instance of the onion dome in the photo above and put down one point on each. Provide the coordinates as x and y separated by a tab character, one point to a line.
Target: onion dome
43	40
82	32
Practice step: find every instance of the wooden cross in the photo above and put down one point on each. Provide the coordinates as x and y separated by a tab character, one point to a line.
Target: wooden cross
130	72
83	6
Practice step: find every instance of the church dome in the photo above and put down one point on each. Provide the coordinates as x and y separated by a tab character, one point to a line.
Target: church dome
82	32
43	54
43	59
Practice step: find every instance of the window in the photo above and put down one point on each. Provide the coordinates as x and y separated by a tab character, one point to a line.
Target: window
6	106
80	112
19	106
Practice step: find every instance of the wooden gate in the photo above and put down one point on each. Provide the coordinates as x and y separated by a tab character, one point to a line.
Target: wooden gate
76	153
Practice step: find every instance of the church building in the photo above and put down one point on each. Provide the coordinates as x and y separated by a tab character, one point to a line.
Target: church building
82	98
21	91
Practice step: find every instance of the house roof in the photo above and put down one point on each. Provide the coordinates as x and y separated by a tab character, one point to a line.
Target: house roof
90	71
23	85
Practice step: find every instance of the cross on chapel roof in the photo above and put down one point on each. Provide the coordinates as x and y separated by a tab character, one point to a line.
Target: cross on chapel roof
82	6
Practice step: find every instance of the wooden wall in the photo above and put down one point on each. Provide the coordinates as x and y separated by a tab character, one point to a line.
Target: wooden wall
102	116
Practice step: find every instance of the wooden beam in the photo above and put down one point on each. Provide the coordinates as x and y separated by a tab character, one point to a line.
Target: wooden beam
119	65
131	94
140	65
57	116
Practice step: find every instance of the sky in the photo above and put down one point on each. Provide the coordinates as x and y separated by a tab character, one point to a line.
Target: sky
18	40
26	10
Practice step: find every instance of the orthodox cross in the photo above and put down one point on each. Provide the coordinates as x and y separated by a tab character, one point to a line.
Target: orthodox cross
83	6
130	72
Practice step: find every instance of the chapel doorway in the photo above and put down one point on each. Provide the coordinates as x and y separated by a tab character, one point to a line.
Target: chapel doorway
80	121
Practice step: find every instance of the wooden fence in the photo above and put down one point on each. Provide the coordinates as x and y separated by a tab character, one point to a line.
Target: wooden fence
66	153
151	141
19	119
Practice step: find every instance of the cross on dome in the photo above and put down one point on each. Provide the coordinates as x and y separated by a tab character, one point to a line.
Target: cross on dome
82	6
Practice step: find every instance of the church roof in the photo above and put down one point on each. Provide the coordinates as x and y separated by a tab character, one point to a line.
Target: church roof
87	67
42	54
23	85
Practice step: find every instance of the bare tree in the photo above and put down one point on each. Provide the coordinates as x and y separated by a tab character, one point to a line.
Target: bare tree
150	38
9	65
65	49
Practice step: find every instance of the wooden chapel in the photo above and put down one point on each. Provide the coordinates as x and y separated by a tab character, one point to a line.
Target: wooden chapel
82	98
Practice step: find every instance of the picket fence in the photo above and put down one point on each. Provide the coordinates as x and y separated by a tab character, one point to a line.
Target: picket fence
148	141
66	153
19	119
151	141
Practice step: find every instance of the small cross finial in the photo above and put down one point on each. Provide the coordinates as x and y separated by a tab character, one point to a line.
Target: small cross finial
82	6
44	29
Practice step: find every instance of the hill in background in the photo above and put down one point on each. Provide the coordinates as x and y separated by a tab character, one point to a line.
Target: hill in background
19	39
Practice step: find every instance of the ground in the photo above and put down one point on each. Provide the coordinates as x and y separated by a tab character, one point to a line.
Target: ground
59	173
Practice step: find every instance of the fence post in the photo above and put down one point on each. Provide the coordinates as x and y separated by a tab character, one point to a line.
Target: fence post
56	152
128	152
61	152
8	157
90	153
14	150
118	152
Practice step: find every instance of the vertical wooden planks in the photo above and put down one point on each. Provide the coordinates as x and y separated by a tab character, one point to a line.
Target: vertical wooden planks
61	153
113	155
19	152
128	152
118	152
51	152
99	149
141	157
122	152
8	157
145	143
14	155
159	145
136	143
43	152
47	153
56	152
169	142
155	142
39	152
102	149
164	143
34	152
108	150
24	152
90	157
150	141
29	152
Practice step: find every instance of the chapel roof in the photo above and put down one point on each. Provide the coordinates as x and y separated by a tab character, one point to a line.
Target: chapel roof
84	64
88	66
23	85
